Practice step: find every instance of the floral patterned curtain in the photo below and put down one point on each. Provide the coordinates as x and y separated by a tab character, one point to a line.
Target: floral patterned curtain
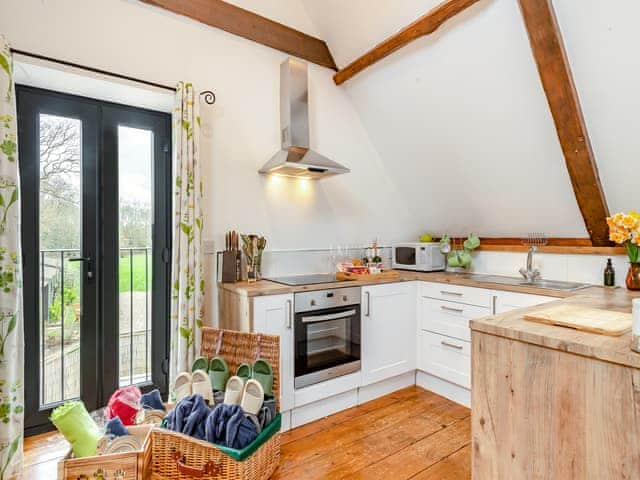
187	282
11	328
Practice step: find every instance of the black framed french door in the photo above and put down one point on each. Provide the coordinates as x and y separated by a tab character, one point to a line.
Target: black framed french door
96	182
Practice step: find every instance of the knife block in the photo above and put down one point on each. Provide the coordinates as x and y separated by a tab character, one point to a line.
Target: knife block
229	267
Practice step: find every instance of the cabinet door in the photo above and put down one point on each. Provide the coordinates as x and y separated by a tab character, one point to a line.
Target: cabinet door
507	301
273	315
388	331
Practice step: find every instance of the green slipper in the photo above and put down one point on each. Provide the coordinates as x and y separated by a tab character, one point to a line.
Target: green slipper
263	373
200	363
218	373
244	372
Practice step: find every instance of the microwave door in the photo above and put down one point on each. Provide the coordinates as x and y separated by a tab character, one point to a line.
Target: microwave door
406	256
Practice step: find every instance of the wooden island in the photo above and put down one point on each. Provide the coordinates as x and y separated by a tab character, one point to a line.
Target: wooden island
554	403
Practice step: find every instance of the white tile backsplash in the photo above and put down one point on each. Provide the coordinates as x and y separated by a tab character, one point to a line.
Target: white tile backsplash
577	268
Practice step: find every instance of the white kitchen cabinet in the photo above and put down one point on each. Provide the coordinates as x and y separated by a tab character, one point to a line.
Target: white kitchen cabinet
273	315
507	301
447	358
448	318
388	331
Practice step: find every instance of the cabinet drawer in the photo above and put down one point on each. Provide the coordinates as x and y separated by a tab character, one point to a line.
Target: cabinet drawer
507	301
449	318
446	357
457	293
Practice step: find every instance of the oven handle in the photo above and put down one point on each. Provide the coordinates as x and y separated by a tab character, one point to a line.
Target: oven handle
326	318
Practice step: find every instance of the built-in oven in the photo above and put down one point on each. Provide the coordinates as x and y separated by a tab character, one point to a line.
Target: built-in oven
327	334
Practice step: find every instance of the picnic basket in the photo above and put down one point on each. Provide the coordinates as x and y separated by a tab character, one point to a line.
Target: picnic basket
179	457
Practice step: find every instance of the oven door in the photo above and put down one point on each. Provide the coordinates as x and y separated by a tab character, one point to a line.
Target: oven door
327	344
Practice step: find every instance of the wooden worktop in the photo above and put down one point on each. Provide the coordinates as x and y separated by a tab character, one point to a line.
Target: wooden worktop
265	287
512	325
509	325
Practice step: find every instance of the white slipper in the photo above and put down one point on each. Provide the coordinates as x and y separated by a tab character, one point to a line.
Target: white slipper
233	391
253	397
182	386
201	384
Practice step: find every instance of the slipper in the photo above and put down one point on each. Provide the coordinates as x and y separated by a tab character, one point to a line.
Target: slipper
201	384
263	372
233	392
218	373
244	372
253	397
182	386
200	363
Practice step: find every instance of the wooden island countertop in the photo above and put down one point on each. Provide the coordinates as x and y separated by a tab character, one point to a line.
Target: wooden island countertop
512	325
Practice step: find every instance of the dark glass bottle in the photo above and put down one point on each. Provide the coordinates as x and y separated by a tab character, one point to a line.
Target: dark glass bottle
609	275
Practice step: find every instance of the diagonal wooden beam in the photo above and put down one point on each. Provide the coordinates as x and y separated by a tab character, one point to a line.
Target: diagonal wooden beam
424	25
249	25
555	74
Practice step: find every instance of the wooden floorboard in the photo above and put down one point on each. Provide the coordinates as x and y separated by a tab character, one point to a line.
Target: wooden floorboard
410	433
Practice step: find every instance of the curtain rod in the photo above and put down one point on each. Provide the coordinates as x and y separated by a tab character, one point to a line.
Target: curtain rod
208	96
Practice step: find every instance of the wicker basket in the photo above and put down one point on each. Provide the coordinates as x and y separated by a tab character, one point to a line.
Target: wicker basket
119	466
180	457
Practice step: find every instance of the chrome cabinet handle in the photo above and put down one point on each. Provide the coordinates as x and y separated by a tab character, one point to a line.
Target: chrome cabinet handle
451	309
288	323
368	312
457	294
328	317
451	345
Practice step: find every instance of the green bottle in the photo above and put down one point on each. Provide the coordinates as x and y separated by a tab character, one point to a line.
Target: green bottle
609	275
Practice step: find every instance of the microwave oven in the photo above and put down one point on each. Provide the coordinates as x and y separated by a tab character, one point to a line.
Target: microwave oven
422	257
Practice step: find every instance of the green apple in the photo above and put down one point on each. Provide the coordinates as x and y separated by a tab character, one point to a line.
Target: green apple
426	238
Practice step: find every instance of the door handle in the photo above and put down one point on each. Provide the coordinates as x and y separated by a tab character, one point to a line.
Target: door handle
451	309
86	260
451	345
368	313
288	323
456	294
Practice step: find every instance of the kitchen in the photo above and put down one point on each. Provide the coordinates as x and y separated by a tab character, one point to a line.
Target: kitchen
420	219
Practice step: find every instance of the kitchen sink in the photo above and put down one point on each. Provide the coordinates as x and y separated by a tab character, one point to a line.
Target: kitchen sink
521	282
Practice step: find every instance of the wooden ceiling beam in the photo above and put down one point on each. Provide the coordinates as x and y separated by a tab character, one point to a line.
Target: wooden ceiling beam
424	25
249	25
555	73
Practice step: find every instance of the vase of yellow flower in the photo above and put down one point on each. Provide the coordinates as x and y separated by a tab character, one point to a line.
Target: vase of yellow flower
624	229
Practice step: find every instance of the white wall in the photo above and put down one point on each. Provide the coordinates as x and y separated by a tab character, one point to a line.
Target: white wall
135	39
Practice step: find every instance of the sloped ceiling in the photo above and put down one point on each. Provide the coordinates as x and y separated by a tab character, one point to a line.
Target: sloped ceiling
462	123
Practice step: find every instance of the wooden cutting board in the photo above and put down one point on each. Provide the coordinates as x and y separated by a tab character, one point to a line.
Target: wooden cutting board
604	322
385	275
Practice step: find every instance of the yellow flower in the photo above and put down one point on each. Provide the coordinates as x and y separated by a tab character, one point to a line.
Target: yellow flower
628	221
617	218
634	214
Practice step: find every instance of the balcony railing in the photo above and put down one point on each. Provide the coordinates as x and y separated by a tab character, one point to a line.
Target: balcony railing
61	314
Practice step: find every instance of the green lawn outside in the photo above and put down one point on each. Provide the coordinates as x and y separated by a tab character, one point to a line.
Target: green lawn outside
138	273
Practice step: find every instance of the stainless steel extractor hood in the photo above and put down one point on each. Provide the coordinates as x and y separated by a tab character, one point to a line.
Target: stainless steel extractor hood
295	158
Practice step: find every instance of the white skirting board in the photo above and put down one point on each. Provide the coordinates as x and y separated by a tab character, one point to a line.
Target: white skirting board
309	412
379	389
448	390
323	408
286	421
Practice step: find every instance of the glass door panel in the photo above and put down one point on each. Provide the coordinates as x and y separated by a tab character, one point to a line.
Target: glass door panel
135	226
60	234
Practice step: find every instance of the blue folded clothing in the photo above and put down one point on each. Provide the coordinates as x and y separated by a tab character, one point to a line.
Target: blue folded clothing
189	416
152	400
227	425
116	428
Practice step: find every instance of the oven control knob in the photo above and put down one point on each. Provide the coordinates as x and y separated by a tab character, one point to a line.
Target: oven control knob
344	298
313	303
